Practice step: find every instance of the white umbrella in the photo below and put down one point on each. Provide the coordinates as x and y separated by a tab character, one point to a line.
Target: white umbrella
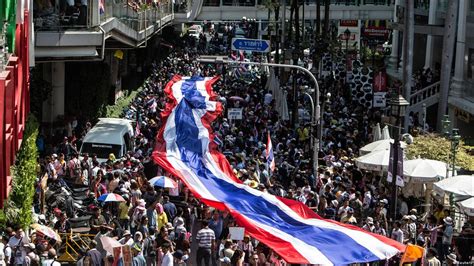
376	132
423	170
374	161
385	133
461	185
467	206
379	145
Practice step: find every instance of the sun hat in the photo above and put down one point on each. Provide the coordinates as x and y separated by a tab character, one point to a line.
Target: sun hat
126	233
448	220
412	217
369	220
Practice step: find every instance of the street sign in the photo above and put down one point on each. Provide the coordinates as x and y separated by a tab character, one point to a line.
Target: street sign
252	45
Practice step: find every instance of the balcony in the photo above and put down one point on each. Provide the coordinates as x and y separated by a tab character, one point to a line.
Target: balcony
80	32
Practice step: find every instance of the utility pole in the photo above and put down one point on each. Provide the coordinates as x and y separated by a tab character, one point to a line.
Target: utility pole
447	57
408	38
318	20
315	116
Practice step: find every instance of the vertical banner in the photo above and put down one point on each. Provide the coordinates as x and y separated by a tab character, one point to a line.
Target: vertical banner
399	179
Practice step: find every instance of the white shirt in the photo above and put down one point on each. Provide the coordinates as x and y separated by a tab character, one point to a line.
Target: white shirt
167	259
397	234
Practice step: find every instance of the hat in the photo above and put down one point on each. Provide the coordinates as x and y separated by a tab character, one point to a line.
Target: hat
412	217
55	155
452	257
414	211
169	226
369	220
448	220
179	221
350	210
126	233
335	203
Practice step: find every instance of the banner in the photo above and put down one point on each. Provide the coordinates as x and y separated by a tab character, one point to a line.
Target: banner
399	181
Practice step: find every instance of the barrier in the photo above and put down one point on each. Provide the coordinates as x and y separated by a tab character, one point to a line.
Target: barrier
72	245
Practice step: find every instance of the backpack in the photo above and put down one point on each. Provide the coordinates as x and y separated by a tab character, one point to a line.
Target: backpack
148	248
76	170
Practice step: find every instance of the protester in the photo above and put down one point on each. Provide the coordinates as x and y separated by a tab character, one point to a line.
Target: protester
160	224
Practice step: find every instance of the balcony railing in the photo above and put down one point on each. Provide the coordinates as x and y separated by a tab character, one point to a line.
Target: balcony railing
288	2
425	93
134	16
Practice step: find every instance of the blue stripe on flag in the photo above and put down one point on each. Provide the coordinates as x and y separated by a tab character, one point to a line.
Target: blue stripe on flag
335	245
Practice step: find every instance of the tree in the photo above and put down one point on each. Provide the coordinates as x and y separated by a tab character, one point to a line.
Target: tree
435	147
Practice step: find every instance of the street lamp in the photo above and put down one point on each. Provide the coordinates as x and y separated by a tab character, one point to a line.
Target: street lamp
446	124
455	138
398	107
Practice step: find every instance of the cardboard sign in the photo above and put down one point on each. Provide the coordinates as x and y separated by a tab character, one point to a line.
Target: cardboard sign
234	113
236	233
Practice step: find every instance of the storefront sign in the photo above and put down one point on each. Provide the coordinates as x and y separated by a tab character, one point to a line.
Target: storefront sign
349	23
376	32
234	113
462	115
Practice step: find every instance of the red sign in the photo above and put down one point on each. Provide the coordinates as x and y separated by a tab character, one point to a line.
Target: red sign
349	23
376	32
380	82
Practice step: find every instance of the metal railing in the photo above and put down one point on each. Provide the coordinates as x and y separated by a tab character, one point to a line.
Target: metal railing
137	18
425	93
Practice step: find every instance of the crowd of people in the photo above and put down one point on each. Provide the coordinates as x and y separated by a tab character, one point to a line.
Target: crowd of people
172	227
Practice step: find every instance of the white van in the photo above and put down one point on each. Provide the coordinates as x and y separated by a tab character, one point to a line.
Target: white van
109	135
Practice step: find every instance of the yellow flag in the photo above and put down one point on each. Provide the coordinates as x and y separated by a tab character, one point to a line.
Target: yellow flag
412	253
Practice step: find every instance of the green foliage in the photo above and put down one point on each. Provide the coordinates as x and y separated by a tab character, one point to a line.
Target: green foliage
18	208
116	110
438	148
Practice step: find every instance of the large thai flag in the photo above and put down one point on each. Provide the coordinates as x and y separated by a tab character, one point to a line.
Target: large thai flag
270	157
185	148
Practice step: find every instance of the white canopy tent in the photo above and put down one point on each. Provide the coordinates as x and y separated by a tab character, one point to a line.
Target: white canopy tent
374	161
461	185
467	206
379	145
424	170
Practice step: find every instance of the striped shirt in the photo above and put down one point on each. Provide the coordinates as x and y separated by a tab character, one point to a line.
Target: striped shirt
205	237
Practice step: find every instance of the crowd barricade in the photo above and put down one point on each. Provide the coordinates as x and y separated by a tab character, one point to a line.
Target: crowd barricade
73	245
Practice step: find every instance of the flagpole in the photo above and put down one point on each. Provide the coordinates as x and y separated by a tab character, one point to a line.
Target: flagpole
315	116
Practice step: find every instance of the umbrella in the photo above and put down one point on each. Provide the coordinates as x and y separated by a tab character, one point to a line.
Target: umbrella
108	244
374	161
236	98
379	145
376	132
110	197
461	185
385	133
468	206
163	181
47	231
423	170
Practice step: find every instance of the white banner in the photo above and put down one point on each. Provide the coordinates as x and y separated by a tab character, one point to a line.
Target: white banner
234	113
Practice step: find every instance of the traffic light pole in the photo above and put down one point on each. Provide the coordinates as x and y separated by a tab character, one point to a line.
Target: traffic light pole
316	114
